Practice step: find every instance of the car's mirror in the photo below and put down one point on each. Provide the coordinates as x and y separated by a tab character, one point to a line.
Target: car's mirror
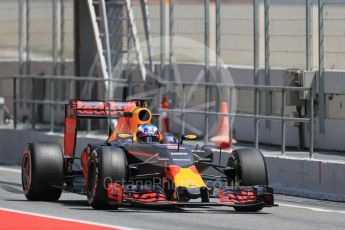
189	137
124	136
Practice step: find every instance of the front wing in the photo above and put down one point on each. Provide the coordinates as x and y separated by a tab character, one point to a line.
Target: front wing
233	196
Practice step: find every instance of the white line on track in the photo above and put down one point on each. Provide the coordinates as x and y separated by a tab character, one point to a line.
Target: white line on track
10	169
311	208
66	219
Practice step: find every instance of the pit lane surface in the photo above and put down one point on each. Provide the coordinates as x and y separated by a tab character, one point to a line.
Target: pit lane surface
293	213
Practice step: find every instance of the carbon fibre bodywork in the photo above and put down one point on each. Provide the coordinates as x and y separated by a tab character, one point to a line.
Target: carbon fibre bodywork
167	173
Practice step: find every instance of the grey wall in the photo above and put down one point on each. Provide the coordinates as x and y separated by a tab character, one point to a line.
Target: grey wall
332	139
10	68
334	84
13	142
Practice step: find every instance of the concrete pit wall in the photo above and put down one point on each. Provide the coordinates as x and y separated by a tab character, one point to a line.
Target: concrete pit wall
307	178
13	142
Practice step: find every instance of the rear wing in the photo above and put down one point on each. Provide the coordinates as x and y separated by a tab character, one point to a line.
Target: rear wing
77	109
98	109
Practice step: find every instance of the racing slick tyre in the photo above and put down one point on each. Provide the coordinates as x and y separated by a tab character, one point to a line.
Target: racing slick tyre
106	165
250	170
42	171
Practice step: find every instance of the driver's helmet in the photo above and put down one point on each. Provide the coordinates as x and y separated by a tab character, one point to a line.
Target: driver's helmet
148	134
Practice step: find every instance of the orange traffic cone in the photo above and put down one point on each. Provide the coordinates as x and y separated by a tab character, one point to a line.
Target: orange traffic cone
164	116
222	136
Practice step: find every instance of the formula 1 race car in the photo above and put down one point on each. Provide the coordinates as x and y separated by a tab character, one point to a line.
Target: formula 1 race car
138	165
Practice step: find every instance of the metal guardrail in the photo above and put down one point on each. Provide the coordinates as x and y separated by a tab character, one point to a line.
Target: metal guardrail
52	101
256	116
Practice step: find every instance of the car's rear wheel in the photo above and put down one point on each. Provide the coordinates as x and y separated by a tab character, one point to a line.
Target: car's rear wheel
249	170
42	171
106	165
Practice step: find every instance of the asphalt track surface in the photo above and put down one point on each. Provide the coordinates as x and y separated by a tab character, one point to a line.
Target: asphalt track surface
292	213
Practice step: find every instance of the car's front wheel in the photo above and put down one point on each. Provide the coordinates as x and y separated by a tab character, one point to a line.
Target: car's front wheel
106	165
249	170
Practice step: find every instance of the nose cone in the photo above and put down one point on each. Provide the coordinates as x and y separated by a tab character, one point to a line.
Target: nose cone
185	177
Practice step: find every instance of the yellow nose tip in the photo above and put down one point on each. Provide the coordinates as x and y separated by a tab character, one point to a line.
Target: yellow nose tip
188	178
